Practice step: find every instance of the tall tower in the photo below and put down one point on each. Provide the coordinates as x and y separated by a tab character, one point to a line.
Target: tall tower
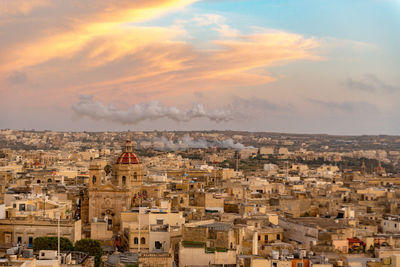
380	170
109	199
95	175
363	168
128	169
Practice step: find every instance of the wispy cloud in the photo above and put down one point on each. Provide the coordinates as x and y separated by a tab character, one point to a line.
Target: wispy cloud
344	106
16	7
216	23
96	48
138	60
43	30
253	103
17	77
370	83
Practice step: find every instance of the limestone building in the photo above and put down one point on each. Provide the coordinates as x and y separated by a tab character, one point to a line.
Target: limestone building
109	197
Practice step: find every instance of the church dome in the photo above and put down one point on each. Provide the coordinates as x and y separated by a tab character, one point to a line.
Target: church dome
127	156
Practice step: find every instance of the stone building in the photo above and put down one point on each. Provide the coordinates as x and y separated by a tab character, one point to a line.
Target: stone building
151	230
24	230
108	198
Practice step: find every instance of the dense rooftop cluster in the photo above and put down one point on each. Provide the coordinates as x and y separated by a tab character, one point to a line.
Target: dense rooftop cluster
201	198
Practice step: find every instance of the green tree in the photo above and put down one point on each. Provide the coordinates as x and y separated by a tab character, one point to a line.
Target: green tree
91	246
51	243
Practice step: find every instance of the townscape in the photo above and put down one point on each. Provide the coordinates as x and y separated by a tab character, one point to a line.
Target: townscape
199	133
206	198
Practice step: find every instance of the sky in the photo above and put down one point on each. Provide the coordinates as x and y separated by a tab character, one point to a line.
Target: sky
295	66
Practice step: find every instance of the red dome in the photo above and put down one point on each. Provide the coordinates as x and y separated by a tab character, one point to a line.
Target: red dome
128	158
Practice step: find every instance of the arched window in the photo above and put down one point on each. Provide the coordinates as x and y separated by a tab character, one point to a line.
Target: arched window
135	175
136	241
93	179
143	240
123	180
49	180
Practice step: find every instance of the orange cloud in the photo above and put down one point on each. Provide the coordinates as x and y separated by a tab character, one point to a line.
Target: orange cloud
68	25
94	51
15	7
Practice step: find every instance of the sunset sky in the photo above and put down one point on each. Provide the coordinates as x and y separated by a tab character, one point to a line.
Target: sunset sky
297	66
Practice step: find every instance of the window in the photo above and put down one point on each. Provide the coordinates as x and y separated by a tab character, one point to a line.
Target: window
38	181
8	239
21	207
49	180
143	240
14	205
43	254
259	238
395	225
93	179
278	237
136	241
158	245
123	180
19	240
266	238
135	175
30	241
160	221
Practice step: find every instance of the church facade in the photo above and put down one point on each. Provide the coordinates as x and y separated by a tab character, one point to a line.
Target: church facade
107	199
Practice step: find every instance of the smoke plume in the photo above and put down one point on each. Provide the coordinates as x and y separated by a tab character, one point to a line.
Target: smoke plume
187	142
145	111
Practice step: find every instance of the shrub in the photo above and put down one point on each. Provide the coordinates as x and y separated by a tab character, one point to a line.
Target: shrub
92	247
51	243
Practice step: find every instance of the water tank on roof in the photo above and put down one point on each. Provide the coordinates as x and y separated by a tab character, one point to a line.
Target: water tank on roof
302	253
27	253
12	251
13	257
275	254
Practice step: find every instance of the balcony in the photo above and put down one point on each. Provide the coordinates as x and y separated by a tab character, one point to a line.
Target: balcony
159	227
